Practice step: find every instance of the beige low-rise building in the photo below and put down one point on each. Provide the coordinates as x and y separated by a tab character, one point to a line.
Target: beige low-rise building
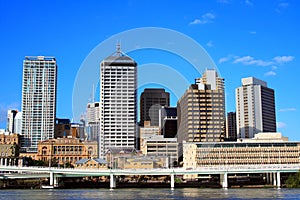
9	147
113	153
142	162
264	149
91	163
157	145
65	150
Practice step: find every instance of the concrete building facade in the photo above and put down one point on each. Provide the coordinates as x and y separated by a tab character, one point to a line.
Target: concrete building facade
118	102
93	121
38	100
255	108
157	146
201	110
264	149
18	123
65	150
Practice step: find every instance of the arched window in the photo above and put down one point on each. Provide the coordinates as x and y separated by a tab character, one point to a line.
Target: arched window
44	150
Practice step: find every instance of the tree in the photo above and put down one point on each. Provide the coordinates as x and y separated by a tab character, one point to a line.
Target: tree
68	165
28	161
293	181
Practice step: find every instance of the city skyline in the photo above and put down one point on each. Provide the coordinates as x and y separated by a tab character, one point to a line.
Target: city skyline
250	44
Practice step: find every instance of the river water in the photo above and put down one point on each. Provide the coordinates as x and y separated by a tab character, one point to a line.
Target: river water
147	193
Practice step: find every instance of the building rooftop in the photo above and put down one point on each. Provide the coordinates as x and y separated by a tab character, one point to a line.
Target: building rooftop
125	150
38	58
265	137
253	81
118	57
85	160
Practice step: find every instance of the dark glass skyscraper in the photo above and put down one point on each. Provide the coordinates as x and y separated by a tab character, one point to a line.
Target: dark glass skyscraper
151	100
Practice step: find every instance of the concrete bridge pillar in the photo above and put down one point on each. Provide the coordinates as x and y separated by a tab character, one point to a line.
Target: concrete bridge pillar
278	180
20	162
270	178
172	181
274	179
5	161
224	180
1	161
51	178
113	181
267	178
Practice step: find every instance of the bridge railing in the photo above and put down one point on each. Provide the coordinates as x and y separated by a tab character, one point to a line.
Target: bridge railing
219	168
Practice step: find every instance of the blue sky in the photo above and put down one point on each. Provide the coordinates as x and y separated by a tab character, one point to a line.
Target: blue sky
243	37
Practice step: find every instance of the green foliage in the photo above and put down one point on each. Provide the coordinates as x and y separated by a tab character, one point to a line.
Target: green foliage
293	181
68	165
28	161
177	180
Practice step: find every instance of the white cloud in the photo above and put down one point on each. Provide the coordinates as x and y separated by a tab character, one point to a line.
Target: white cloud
224	59
281	125
249	60
287	109
196	21
224	1
270	73
208	16
282	6
248	2
274	67
283	59
205	18
210	44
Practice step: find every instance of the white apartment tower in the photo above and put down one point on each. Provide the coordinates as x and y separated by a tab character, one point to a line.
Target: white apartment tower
118	102
93	120
255	108
18	123
38	100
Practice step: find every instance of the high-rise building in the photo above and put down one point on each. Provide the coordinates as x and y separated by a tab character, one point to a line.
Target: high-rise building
151	100
93	121
201	110
255	108
18	123
118	102
10	124
62	128
38	100
168	121
231	132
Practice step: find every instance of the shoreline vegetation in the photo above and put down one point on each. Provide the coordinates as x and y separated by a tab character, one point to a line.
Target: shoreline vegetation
293	181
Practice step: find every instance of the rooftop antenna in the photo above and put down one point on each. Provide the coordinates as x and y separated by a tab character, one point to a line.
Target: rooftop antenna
93	94
119	53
